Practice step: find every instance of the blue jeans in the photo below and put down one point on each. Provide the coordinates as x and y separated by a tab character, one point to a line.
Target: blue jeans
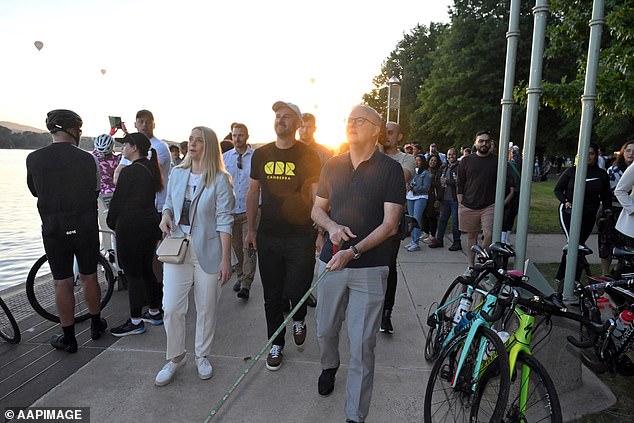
416	209
448	208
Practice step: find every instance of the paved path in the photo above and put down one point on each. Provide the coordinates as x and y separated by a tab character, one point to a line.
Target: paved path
116	379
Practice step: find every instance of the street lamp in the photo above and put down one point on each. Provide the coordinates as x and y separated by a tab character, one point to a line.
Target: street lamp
394	98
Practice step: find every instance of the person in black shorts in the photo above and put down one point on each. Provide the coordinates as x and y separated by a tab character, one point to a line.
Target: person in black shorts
65	180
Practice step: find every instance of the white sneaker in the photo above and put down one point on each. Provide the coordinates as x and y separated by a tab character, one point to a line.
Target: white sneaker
413	247
205	370
168	371
427	239
411	243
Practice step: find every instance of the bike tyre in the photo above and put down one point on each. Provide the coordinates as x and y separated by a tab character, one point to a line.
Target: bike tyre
435	382
9	329
41	295
539	380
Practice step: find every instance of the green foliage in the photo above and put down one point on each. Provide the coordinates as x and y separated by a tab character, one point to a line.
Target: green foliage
452	75
410	62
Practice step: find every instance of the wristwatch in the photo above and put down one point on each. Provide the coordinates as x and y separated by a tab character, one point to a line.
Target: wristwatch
356	252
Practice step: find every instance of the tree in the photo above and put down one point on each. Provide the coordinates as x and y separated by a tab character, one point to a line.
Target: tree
410	62
463	92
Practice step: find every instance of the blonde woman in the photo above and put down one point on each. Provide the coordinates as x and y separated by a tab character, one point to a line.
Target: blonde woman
199	205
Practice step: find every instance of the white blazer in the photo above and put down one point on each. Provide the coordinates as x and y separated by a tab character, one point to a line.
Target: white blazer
625	194
213	207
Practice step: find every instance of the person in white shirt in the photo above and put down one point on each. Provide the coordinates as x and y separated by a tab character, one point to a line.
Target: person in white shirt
238	164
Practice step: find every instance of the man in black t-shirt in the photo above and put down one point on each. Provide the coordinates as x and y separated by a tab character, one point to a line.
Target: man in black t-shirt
286	173
475	189
359	202
66	182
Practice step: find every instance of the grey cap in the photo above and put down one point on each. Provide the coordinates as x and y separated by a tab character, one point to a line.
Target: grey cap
279	104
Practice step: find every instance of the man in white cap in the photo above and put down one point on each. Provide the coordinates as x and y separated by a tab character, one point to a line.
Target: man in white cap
359	202
285	172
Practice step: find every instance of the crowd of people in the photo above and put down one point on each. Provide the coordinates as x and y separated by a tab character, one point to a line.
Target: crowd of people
278	207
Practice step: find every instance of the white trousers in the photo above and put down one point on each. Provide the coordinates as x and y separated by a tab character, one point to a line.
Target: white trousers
178	279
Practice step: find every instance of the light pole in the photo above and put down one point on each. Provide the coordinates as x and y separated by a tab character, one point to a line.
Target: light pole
394	98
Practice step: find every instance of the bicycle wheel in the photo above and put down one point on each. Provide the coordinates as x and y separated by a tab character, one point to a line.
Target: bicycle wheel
440	323
529	378
9	329
40	289
447	403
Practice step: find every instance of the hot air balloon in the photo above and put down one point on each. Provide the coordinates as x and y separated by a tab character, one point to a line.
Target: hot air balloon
38	45
103	71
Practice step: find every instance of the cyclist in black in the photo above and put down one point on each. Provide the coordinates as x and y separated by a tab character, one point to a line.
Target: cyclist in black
65	179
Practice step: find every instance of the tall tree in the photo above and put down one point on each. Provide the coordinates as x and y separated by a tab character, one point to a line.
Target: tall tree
463	92
410	62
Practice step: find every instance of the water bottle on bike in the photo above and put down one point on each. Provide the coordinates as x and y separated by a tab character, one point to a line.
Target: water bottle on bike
463	307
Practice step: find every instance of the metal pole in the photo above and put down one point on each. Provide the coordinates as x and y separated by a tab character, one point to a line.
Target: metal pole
512	37
585	132
540	12
389	101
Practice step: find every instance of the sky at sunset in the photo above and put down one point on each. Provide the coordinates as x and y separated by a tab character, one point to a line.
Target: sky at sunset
198	63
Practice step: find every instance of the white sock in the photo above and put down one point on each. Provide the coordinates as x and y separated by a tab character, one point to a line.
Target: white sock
136	321
504	237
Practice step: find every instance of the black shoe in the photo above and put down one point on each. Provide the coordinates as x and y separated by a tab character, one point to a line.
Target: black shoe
58	342
128	328
96	332
236	286
311	301
326	383
386	322
244	293
456	246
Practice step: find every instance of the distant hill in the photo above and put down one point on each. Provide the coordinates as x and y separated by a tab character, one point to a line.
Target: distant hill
16	127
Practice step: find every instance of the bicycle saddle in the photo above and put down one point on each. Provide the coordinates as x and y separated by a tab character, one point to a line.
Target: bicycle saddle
623	252
502	249
583	249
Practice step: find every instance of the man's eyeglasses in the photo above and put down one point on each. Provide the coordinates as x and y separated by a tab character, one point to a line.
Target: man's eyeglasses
358	121
240	161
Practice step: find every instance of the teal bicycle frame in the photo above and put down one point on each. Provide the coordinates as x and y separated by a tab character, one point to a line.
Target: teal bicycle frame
473	326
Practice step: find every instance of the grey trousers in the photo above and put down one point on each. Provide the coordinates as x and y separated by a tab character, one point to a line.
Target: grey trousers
361	292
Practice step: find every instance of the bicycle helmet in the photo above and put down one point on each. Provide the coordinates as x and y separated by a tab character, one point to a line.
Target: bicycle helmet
104	144
63	120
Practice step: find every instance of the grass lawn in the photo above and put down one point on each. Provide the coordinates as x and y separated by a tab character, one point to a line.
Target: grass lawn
621	386
543	217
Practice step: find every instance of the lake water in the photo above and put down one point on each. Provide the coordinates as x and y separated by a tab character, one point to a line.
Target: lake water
20	236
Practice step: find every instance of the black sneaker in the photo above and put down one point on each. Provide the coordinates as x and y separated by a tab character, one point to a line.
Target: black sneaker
274	359
153	319
128	328
386	322
97	331
456	246
236	286
244	293
58	342
326	383
299	332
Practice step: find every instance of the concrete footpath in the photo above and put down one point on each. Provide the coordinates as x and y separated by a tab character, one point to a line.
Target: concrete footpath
118	383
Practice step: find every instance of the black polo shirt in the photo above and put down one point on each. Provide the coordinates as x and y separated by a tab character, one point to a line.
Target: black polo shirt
356	199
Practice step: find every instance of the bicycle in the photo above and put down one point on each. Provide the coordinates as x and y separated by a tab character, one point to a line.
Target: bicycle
612	355
459	296
9	329
40	289
471	348
532	394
